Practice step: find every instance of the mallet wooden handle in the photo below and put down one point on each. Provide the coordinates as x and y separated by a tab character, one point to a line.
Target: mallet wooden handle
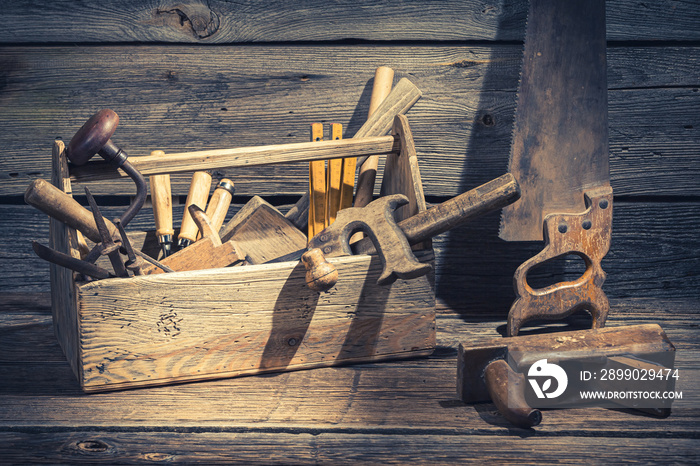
383	80
161	198
198	195
61	206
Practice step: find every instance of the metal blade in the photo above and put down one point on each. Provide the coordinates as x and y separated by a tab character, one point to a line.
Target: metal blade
560	136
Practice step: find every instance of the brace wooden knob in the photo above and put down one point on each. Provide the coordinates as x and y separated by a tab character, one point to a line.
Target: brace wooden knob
94	137
506	388
320	274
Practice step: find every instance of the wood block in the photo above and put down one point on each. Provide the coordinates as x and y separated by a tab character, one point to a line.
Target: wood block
263	233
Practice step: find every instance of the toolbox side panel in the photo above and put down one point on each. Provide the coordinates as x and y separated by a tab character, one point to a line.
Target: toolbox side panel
184	326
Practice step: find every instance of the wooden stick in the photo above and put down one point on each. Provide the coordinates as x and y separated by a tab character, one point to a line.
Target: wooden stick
334	178
383	79
317	186
241	157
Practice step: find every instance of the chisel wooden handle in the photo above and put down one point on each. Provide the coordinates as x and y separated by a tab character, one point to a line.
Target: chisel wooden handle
199	192
61	206
383	80
219	204
161	198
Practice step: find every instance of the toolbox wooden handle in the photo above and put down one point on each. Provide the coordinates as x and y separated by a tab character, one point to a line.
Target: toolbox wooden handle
240	157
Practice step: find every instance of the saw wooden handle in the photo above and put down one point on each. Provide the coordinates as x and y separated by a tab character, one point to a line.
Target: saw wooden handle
61	206
586	234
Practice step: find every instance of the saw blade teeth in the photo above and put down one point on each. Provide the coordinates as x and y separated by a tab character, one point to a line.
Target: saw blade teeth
517	107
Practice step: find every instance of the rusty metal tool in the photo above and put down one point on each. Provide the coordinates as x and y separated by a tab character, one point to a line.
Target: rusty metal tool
107	246
559	155
134	263
207	253
197	195
94	137
64	260
499	370
162	201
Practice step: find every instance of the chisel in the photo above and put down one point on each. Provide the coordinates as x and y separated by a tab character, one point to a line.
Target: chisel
161	198
219	204
198	194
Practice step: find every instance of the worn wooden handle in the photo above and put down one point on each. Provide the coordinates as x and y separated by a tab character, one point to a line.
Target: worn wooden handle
219	204
320	274
198	195
383	80
61	206
161	198
506	389
92	136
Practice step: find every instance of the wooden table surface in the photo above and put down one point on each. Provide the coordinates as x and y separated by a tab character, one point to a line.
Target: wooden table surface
391	412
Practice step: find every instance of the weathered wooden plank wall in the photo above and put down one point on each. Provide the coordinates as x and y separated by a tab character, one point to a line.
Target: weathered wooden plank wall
190	75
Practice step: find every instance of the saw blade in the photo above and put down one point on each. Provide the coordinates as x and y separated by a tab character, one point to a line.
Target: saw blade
560	136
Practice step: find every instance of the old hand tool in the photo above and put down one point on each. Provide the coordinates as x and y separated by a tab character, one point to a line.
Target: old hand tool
197	195
379	222
62	207
500	370
107	246
162	201
207	253
94	137
70	262
134	262
559	156
219	204
398	102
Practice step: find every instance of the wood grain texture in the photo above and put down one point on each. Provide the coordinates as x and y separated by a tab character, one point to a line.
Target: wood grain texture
246	320
194	21
179	99
304	446
411	397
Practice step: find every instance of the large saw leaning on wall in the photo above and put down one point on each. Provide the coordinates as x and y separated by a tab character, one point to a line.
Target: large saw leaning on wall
559	155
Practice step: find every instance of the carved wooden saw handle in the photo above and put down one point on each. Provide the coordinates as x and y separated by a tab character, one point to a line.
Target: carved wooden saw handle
585	234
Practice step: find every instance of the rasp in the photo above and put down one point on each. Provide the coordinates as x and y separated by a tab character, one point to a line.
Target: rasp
559	155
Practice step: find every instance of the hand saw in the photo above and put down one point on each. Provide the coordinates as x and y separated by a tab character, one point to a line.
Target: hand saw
559	155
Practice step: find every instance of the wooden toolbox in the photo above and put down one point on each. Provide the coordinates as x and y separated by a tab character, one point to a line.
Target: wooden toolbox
149	330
